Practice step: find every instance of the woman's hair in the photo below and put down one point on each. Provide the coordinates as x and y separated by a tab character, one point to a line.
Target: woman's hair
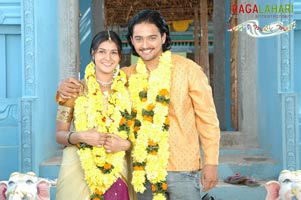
102	36
152	17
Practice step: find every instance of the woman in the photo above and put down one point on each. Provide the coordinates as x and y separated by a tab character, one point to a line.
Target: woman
94	164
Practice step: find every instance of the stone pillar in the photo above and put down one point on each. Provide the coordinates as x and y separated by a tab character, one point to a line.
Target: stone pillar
69	39
286	88
29	85
219	61
98	16
247	79
247	133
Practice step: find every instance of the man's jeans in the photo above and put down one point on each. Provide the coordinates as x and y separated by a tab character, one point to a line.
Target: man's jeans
181	186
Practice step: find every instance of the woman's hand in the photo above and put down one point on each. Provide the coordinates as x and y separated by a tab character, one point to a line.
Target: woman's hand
114	143
93	137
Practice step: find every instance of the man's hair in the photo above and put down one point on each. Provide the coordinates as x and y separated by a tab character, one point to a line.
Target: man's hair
152	17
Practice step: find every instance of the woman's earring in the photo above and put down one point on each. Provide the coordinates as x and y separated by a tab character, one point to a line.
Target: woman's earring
116	71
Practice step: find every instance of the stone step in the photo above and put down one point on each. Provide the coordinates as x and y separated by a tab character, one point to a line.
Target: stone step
254	165
248	162
225	191
50	168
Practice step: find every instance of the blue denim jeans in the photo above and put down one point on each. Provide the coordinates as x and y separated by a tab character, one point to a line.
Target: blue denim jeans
181	186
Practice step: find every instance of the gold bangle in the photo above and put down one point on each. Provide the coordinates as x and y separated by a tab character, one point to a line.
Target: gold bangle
69	137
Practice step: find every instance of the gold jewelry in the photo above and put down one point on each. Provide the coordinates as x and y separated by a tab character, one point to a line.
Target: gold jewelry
109	35
64	114
69	137
116	71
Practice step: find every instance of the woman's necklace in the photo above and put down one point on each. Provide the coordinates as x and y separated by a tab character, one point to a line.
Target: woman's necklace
104	84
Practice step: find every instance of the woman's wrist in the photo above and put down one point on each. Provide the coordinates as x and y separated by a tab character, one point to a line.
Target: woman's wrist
69	138
74	138
128	145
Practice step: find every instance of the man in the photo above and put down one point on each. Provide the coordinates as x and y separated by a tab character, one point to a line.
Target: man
175	114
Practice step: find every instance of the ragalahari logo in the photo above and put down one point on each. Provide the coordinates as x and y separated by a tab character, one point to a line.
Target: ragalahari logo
252	28
262	9
274	11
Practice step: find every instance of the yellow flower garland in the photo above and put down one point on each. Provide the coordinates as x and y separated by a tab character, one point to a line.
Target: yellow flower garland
102	169
150	98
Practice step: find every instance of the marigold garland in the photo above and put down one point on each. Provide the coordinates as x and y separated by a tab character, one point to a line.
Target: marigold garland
102	169
150	98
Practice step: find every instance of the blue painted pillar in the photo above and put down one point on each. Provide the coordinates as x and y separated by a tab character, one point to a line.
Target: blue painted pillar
277	94
287	90
297	66
39	82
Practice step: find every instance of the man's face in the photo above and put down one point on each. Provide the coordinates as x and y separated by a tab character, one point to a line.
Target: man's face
147	41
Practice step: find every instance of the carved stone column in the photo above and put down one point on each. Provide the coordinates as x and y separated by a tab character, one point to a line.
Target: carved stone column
29	84
286	87
69	39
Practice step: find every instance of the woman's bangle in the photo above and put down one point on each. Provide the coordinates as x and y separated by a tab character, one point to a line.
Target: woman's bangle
131	145
69	137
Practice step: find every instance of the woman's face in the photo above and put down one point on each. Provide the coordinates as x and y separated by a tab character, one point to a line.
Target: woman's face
106	57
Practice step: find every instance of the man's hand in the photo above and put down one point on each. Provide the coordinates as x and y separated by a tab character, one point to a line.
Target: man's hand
209	177
69	88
